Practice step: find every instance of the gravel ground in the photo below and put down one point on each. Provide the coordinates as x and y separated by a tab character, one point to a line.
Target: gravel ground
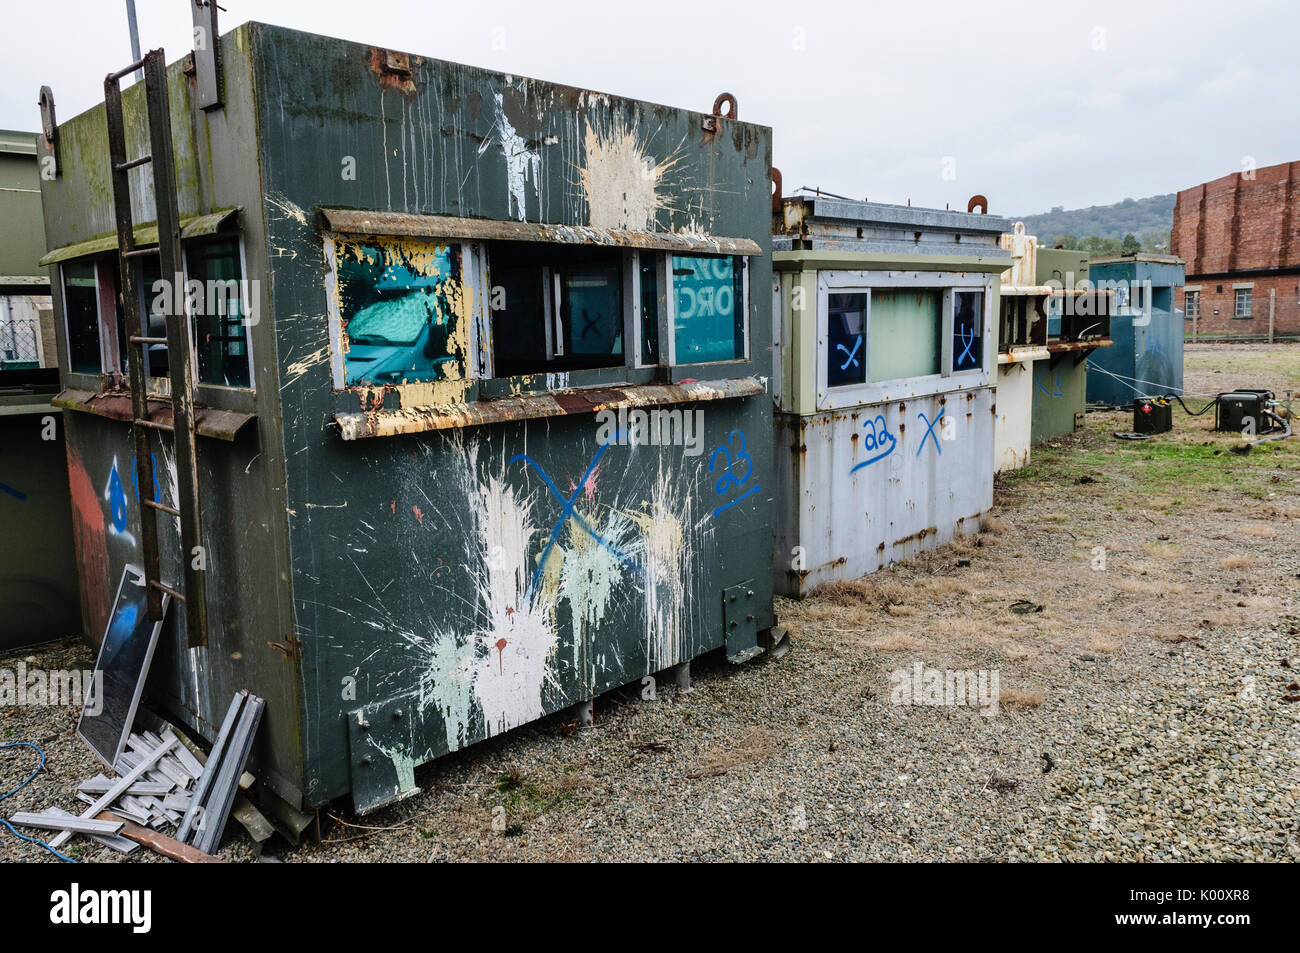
1148	711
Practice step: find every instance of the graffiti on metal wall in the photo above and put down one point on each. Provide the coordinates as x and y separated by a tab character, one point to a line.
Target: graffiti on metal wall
620	180
732	480
1058	386
116	497
929	432
553	557
878	441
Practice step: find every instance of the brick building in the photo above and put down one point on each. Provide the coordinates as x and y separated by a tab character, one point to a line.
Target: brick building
1240	237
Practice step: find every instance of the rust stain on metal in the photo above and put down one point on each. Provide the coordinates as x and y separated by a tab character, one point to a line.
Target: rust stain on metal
351	222
394	70
217	424
421	419
290	648
917	536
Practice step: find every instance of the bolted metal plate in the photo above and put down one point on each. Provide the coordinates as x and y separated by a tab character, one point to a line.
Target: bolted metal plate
740	622
380	749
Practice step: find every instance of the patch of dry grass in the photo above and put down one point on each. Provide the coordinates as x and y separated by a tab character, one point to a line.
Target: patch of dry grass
1238	562
1258	530
993	525
1020	698
752	745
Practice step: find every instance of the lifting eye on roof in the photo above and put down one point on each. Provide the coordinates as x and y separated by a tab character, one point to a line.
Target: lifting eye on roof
50	129
980	202
710	122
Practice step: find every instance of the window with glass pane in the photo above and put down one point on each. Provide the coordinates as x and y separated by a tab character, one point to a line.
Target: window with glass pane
81	305
555	308
967	330
153	301
905	336
400	310
709	323
649	265
591	309
1243	303
846	338
217	321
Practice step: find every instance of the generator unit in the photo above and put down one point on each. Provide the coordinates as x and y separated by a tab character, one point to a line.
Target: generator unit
1235	408
1152	415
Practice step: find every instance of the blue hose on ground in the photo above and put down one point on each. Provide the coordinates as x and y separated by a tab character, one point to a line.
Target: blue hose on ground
12	829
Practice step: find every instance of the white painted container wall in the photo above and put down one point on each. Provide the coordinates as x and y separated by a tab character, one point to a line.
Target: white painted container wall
860	489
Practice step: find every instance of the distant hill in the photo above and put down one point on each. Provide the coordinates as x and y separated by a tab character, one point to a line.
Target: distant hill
1131	216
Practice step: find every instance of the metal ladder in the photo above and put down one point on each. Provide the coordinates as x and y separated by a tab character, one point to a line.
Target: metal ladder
177	341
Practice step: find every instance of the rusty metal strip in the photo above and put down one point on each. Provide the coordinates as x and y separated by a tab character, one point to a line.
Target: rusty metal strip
161	843
194	227
1024	355
209	422
1058	347
351	222
389	423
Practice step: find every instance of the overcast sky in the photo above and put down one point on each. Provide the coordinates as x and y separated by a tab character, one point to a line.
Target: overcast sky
1033	104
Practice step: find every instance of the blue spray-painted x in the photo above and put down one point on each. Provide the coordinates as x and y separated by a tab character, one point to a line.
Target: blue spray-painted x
968	341
567	512
852	357
929	432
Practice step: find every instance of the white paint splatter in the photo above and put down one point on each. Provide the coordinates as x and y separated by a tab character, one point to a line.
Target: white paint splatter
447	682
290	209
666	554
520	163
173	485
590	574
621	182
518	632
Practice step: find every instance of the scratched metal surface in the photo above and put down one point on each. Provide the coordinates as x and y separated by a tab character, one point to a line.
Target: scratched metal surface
473	580
864	488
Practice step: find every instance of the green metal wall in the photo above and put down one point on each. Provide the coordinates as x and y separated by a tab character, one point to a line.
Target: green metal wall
358	585
22	238
1060	385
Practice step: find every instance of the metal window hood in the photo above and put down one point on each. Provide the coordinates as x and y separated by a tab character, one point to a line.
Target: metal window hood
352	222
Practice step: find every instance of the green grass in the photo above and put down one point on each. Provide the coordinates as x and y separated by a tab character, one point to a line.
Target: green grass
1188	465
521	795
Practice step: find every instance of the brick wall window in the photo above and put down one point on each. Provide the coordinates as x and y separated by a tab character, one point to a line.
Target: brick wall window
1241	308
1192	304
